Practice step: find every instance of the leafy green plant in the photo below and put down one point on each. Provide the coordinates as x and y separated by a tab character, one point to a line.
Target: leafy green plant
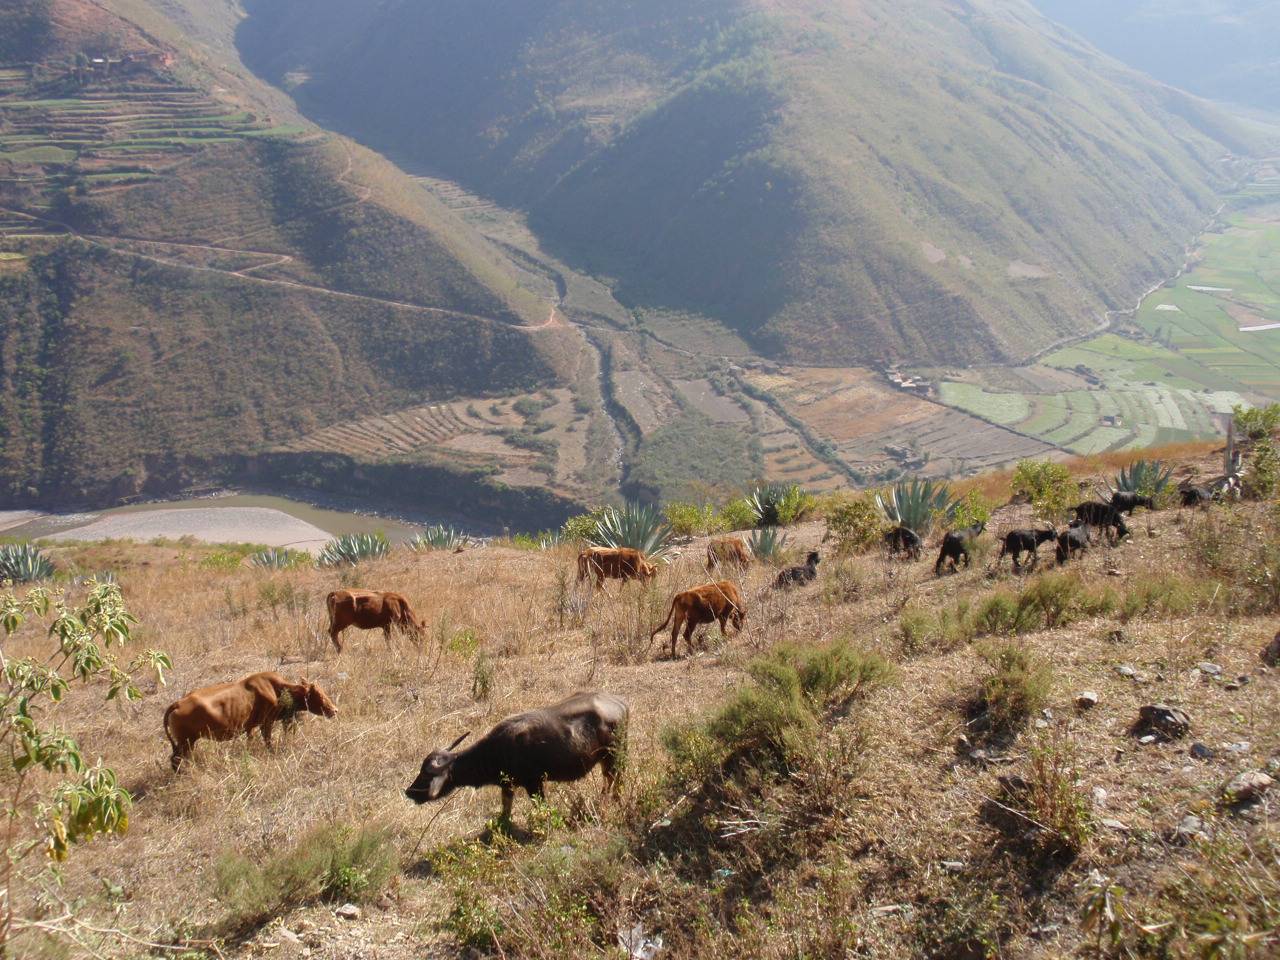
972	510
1262	479
1148	478
636	525
23	563
53	797
1257	423
1017	687
691	520
353	548
582	528
1048	486
855	525
738	514
277	558
918	504
437	537
779	505
767	544
1054	798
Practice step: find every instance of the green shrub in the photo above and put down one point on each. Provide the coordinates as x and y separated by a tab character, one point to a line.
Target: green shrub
855	525
779	505
1257	423
636	525
332	862
768	544
1054	799
278	558
1262	478
582	528
1048	486
918	504
437	537
1163	595
23	563
1017	687
691	520
353	548
737	514
972	510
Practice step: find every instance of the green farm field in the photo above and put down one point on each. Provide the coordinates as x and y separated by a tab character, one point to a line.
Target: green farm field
1205	342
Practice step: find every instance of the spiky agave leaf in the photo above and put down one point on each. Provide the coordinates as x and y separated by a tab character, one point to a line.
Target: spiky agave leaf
1146	477
635	525
779	504
24	563
437	537
277	558
767	544
918	504
352	549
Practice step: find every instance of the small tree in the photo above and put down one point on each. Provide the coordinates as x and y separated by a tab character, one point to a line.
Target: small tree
1048	486
1257	423
80	801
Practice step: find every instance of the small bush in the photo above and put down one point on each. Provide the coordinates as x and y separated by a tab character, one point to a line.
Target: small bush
1048	486
1257	423
1164	595
972	510
737	514
779	505
23	563
855	525
691	520
1017	687
352	549
1054	798
332	862
582	528
1262	478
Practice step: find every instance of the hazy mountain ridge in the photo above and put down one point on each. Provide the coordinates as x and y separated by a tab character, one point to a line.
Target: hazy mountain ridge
843	181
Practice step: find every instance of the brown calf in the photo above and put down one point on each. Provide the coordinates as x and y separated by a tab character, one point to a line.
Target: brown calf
727	552
614	563
369	610
712	601
226	710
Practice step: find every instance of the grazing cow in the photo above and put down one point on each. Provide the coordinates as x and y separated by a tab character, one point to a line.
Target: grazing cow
1018	542
226	710
1073	540
1104	517
1127	502
690	609
370	610
955	546
562	743
1196	496
727	552
799	576
901	540
614	563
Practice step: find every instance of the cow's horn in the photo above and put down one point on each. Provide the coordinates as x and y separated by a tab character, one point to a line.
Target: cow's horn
455	743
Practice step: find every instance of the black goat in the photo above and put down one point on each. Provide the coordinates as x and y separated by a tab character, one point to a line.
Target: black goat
798	576
901	540
955	546
1196	497
1127	502
561	743
1073	540
1018	542
1104	517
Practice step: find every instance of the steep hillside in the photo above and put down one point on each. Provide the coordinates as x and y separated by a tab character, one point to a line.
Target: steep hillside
841	182
188	282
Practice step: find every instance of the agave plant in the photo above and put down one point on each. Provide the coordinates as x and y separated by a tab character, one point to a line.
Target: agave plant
767	544
24	563
636	525
352	549
1149	478
276	558
779	504
437	537
917	504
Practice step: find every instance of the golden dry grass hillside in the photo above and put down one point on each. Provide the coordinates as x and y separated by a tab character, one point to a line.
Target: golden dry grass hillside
881	764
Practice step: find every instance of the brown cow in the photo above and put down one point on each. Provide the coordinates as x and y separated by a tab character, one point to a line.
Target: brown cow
614	563
370	610
226	710
712	601
727	552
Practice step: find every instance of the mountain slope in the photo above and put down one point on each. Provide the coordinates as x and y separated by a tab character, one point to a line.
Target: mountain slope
186	281
849	181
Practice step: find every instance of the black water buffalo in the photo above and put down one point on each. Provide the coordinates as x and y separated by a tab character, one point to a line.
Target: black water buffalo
1018	542
561	743
955	546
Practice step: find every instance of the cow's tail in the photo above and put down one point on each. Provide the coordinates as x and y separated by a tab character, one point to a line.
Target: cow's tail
331	602
584	560
169	736
670	613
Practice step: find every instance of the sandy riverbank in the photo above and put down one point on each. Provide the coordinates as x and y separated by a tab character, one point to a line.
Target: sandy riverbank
274	528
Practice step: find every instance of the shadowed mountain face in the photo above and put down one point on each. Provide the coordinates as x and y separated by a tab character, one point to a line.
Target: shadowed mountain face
839	180
1222	49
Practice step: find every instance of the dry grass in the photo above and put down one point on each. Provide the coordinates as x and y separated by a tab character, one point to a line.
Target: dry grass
874	807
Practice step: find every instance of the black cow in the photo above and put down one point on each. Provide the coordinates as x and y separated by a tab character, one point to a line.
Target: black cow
955	546
902	540
1073	540
1104	517
798	576
561	743
1018	542
1127	502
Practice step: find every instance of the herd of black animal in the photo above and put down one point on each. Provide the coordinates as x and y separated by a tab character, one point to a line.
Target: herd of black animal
1090	516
